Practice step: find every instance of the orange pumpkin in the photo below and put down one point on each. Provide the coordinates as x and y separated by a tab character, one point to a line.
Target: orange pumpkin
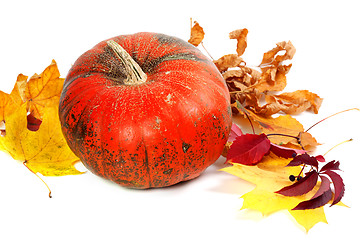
145	110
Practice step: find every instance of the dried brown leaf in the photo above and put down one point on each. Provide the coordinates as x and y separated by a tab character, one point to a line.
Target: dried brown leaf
228	61
241	36
245	75
271	58
300	101
197	34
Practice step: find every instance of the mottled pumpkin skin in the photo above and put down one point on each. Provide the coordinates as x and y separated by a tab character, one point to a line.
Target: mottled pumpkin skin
155	134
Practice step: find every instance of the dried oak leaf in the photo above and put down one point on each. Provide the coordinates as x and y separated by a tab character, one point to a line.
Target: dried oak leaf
197	34
241	36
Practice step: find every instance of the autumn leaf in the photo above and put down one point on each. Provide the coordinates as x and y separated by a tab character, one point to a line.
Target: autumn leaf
272	159
295	102
197	34
269	177
32	132
43	90
271	58
322	196
249	149
8	102
241	36
45	150
302	186
228	61
282	130
250	85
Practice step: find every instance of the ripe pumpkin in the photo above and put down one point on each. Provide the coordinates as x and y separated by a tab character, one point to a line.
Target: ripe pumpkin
145	110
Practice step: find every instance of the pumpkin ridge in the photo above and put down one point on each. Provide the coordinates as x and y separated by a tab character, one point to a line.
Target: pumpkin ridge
146	163
166	112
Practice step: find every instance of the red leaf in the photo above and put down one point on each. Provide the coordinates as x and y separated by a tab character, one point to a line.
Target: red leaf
302	186
304	159
249	149
320	158
338	184
284	151
322	196
333	165
33	124
235	132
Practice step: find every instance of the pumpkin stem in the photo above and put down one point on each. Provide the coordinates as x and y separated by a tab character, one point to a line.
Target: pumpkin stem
135	74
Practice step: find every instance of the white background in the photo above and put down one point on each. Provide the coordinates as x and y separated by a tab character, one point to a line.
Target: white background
326	35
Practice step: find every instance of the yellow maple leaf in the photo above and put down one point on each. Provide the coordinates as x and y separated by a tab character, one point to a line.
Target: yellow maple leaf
43	150
43	90
269	176
8	102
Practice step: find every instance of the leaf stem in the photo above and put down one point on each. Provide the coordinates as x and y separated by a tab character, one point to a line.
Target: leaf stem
331	116
207	51
38	177
281	134
349	140
240	106
286	135
303	167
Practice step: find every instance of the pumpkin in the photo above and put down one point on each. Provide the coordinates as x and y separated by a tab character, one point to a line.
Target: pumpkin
145	110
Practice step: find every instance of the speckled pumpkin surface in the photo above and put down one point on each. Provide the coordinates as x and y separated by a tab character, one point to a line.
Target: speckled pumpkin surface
155	134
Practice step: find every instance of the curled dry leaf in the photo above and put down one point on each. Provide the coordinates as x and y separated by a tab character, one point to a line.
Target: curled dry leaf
197	34
241	36
228	61
250	85
272	58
